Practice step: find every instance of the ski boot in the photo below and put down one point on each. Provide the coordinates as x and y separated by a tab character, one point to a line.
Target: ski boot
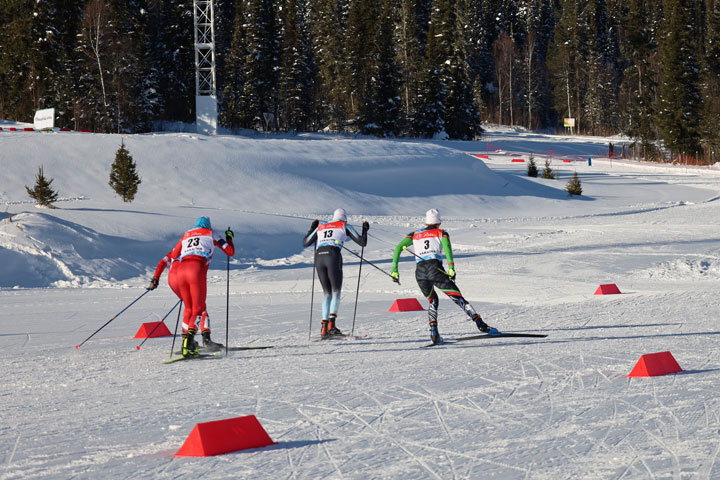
434	334
324	333
189	345
209	345
484	327
332	329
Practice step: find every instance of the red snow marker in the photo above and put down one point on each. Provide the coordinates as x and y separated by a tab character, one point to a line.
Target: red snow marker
655	364
147	328
477	155
518	160
224	436
607	289
405	305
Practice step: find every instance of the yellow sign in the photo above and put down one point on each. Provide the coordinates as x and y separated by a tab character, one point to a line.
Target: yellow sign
569	122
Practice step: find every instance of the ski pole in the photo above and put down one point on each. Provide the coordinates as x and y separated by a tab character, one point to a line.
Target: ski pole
357	292
227	306
113	318
158	324
177	322
418	256
368	262
312	293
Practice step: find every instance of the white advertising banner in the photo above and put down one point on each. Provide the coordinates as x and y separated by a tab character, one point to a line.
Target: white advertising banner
45	119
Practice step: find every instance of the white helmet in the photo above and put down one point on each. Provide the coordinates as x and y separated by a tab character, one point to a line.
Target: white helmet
339	215
432	217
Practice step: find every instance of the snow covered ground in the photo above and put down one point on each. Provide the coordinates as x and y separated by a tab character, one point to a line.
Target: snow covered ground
528	257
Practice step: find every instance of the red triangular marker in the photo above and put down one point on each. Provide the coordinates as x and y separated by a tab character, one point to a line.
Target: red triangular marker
406	305
224	436
607	289
655	364
146	328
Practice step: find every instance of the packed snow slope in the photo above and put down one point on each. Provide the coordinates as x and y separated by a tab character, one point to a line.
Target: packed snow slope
528	257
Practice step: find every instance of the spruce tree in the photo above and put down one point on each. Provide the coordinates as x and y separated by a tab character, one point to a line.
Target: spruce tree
430	103
381	109
296	69
176	61
532	170
261	61
42	192
574	187
124	179
711	84
547	171
233	109
462	116
327	19
680	102
638	87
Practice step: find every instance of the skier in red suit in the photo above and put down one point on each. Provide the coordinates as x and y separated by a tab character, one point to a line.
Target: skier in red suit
189	262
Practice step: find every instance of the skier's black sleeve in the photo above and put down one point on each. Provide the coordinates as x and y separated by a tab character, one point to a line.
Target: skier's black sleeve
359	239
311	236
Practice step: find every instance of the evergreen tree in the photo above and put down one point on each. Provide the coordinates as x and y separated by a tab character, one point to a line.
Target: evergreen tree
233	109
566	62
42	192
124	179
15	67
711	84
327	20
259	89
430	109
462	116
411	41
175	62
574	186
532	170
600	101
638	87
296	69
680	103
360	34
547	171
381	109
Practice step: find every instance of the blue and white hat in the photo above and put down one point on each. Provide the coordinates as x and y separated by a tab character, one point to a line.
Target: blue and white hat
203	222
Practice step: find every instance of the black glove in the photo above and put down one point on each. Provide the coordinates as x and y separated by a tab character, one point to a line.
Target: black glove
314	225
229	235
153	283
366	226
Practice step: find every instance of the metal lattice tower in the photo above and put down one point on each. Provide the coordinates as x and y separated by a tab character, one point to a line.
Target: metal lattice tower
205	85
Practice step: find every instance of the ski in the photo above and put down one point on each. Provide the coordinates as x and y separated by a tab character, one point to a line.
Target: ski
230	349
440	343
249	347
202	356
501	335
484	336
343	336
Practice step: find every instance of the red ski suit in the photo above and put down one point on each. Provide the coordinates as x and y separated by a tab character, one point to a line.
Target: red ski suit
189	262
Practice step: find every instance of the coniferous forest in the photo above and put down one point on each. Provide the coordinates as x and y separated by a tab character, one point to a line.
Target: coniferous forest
649	69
